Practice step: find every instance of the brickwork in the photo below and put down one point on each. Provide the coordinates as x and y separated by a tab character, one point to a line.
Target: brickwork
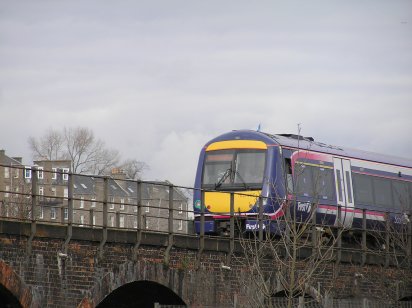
48	277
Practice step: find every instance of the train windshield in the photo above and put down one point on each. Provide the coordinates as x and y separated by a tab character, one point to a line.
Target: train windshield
234	169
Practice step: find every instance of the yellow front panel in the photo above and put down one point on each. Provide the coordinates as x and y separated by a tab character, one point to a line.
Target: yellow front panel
237	144
219	202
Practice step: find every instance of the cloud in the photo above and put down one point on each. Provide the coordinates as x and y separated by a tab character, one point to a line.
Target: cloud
175	158
158	79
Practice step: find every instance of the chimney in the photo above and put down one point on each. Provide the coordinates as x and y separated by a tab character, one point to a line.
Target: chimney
118	174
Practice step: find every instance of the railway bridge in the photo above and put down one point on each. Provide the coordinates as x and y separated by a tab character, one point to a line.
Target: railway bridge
78	241
40	266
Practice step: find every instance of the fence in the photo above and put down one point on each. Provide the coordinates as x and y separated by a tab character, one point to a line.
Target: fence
60	197
57	196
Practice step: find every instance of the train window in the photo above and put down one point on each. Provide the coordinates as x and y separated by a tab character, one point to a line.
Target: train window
250	167
288	166
324	181
289	178
303	175
339	180
234	168
400	195
348	186
410	197
382	192
216	166
362	185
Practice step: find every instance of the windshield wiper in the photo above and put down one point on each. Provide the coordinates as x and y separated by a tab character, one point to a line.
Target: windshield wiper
223	178
241	179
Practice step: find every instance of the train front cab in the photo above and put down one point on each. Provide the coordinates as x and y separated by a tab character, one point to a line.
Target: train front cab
242	167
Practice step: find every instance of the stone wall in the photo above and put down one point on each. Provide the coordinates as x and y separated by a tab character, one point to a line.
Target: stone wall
46	273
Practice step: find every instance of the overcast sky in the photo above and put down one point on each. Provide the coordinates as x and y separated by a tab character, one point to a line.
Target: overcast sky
157	79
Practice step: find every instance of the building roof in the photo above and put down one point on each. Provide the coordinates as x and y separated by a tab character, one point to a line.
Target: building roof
6	160
84	185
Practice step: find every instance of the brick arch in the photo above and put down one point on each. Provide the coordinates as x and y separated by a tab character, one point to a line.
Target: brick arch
405	293
12	282
310	291
130	272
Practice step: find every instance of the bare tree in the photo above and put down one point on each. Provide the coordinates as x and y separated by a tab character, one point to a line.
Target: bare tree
290	262
390	239
289	254
50	146
290	259
86	153
134	168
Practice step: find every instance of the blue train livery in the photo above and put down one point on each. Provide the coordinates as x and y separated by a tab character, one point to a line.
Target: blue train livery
291	170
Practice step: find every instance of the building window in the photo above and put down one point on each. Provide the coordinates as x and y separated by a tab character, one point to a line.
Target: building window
6	194
180	226
40	174
16	173
121	222
66	193
181	208
81	202
135	223
81	220
53	213
6	172
27	173
53	190
111	220
147	208
54	173
111	203
65	174
122	203
66	213
41	192
41	214
93	202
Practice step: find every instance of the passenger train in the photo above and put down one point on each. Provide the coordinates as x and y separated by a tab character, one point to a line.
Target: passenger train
284	168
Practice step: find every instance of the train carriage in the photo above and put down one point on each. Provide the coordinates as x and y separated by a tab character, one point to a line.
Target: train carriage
284	168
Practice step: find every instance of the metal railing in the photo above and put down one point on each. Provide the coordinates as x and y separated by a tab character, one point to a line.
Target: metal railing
103	202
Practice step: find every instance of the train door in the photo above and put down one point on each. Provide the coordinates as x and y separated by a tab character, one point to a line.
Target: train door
344	190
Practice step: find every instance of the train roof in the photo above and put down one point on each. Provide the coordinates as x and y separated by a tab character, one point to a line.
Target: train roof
308	143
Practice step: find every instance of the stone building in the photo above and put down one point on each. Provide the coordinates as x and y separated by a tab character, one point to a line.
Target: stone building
13	187
88	195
